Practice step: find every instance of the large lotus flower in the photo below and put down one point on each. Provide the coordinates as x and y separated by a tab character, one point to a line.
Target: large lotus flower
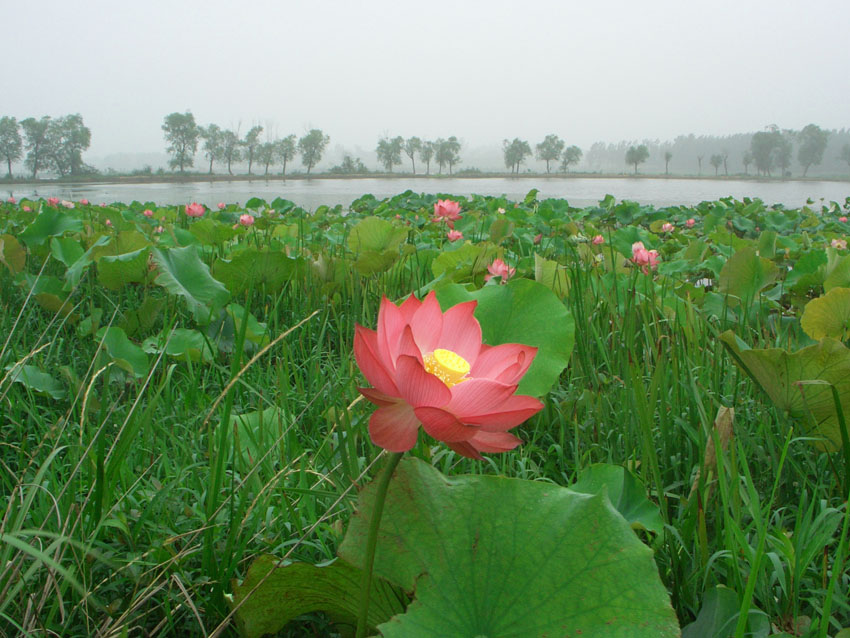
446	210
430	368
499	269
667	227
647	259
246	220
195	209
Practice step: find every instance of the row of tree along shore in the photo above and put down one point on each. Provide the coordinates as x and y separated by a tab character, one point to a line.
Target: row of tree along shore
55	146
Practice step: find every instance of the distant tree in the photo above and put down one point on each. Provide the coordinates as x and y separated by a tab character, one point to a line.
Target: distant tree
350	166
285	151
550	149
812	145
182	134
762	149
845	154
35	132
747	160
311	147
212	143
667	157
265	155
231	149
716	161
515	153
571	155
447	152
637	155
412	146
67	138
389	152
251	143
725	155
426	154
783	153
699	164
11	144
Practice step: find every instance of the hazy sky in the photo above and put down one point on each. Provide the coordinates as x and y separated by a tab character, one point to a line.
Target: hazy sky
481	70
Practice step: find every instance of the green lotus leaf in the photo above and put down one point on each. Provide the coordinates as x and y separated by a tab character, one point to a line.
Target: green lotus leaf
828	316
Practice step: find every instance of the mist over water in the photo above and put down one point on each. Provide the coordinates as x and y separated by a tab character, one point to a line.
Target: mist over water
311	194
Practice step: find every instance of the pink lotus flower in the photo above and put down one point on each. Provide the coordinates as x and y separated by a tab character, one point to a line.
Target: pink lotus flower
147	212
195	209
666	227
446	210
501	211
84	202
222	205
647	259
52	201
246	220
842	218
108	222
26	209
599	239
430	368
158	229
67	204
11	200
691	222
102	204
454	235
840	244
499	269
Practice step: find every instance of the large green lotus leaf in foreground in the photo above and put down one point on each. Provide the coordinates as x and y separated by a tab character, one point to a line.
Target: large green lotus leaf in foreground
522	311
745	274
181	272
272	595
828	316
506	558
778	372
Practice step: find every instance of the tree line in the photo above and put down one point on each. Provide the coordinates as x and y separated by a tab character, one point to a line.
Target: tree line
50	144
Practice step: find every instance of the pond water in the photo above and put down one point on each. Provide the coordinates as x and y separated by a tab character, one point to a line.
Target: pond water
311	193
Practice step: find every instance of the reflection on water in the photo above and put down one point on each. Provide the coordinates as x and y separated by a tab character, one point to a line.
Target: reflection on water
579	191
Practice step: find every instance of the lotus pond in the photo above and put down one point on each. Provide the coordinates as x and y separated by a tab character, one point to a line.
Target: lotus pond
614	420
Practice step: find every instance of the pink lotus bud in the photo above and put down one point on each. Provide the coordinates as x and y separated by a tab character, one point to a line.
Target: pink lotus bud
222	205
666	227
84	202
158	229
843	218
690	223
538	238
195	209
26	209
108	222
454	235
12	200
52	201
147	212
599	239
246	220
397	216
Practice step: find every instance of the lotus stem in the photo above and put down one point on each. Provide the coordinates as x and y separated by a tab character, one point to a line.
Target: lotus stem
372	541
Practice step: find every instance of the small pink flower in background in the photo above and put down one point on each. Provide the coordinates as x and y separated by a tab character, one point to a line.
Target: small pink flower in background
840	244
67	204
246	220
397	216
454	235
501	211
158	229
430	368
446	210
499	269
666	227
271	212
538	238
599	239
27	209
647	259
108	222
147	212
103	204
12	200
842	218
691	222
84	202
222	205
52	201
416	217
195	209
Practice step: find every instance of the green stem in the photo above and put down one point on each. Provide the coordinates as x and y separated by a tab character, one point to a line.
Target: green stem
372	541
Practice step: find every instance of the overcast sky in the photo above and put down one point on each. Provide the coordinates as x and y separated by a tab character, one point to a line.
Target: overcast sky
481	70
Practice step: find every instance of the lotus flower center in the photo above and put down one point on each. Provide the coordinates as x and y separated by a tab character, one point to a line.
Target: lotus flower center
449	367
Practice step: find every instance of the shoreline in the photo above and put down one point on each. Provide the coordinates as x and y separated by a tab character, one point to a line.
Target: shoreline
206	178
